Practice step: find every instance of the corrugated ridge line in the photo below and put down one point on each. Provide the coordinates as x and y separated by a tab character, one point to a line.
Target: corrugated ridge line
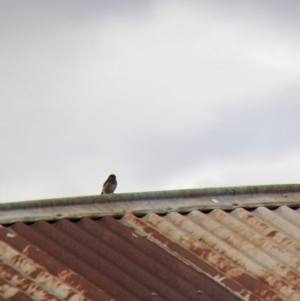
138	266
261	226
216	248
165	267
38	238
156	283
256	262
18	270
155	195
220	248
280	223
269	246
50	264
289	214
243	290
144	283
264	267
241	249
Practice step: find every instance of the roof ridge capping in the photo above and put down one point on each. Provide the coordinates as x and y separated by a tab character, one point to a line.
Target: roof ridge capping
155	195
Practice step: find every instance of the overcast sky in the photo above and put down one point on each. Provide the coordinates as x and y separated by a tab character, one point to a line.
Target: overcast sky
165	94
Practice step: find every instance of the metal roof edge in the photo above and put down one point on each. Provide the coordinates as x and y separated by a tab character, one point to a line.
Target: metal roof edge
160	202
154	195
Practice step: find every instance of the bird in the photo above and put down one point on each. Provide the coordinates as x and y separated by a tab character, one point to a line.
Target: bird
109	185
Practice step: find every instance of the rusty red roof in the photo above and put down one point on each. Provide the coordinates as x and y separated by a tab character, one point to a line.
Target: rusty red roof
217	244
95	260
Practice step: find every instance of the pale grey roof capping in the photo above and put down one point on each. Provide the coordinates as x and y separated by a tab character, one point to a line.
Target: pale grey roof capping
160	202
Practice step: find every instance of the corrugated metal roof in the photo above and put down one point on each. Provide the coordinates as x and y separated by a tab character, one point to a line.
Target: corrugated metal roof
258	250
217	244
94	260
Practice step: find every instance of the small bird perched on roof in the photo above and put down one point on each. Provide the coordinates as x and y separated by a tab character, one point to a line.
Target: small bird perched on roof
109	185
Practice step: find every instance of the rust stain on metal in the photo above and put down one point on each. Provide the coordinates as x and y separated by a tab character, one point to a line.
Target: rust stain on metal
252	220
227	251
70	285
161	261
224	235
28	267
237	275
272	234
256	244
24	284
8	291
266	229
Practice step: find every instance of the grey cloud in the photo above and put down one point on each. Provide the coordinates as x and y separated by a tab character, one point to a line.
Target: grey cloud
152	91
263	133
